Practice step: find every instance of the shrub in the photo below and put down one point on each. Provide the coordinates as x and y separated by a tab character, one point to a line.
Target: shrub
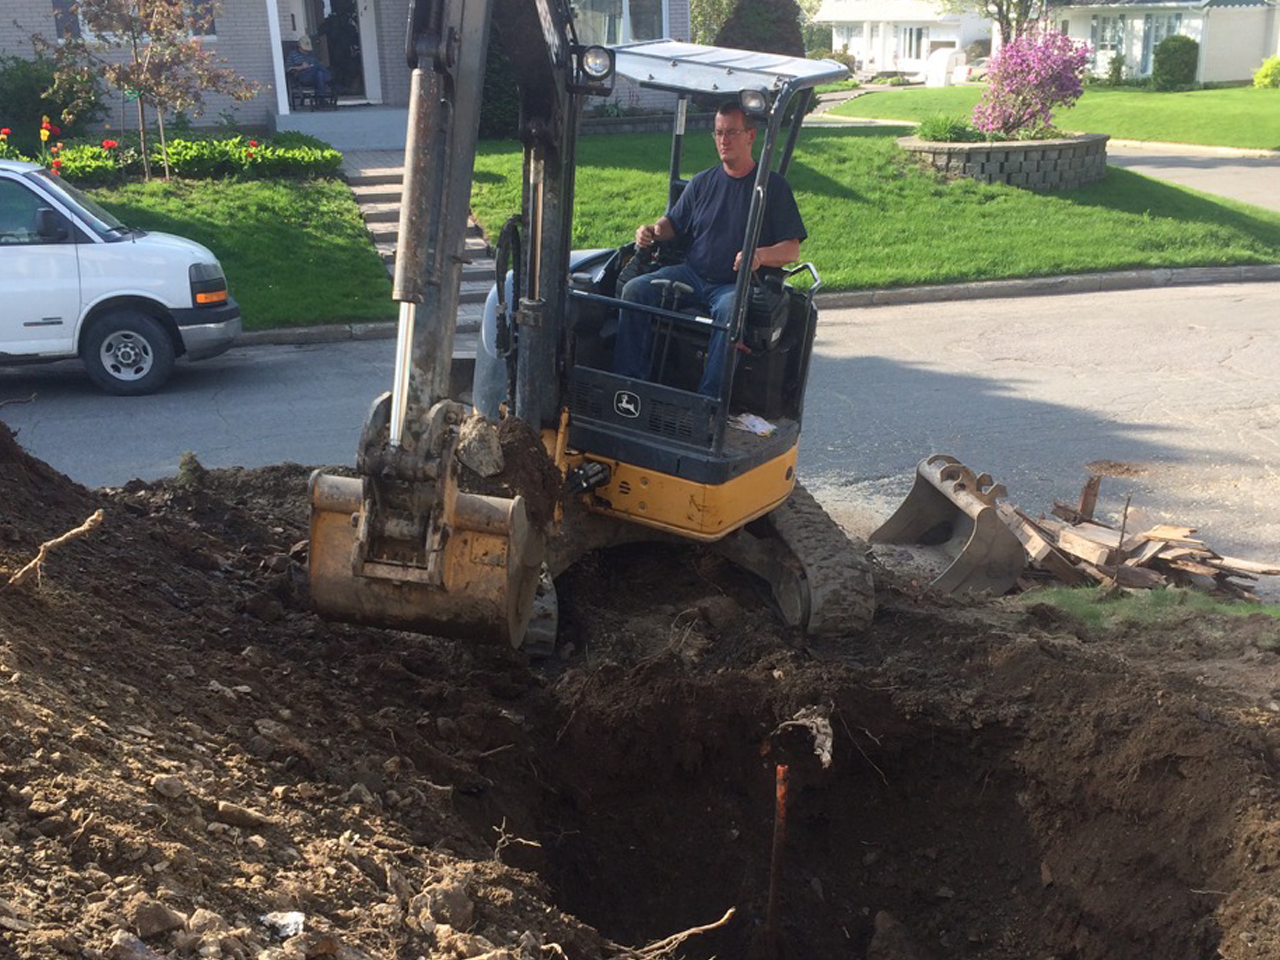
1174	65
499	100
1115	70
91	164
23	103
1268	74
946	129
1027	80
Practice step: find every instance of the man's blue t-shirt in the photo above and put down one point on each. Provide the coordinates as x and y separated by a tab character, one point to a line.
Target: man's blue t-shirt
712	212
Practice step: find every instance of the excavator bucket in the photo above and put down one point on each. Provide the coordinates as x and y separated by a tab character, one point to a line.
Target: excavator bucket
952	508
479	584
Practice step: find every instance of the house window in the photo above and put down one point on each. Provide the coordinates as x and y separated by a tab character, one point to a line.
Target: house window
1107	33
620	21
1164	25
65	21
912	43
203	24
1066	28
855	31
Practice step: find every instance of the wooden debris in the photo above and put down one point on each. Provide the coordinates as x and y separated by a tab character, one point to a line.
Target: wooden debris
1072	546
35	568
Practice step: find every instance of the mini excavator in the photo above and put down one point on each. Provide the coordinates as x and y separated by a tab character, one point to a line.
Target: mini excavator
405	543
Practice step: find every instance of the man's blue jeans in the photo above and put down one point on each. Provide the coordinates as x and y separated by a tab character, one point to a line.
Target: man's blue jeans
635	329
318	77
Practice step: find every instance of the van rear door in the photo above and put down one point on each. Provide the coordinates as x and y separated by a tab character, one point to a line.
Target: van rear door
39	277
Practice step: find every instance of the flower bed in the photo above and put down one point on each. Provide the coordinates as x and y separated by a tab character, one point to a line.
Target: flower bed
1041	165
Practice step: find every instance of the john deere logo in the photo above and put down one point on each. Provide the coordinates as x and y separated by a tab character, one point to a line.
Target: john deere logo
626	404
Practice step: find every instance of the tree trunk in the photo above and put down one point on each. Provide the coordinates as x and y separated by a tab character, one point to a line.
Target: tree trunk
142	139
164	144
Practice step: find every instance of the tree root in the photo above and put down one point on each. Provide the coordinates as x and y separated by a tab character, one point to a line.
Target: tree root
667	945
35	567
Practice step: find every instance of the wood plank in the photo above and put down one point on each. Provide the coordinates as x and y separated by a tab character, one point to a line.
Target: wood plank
1082	547
1192	567
1172	534
1149	551
1246	566
1089	497
1038	548
1136	577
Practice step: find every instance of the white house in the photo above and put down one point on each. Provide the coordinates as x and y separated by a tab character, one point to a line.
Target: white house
898	35
1235	36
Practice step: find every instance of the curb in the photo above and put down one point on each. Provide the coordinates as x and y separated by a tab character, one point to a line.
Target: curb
938	293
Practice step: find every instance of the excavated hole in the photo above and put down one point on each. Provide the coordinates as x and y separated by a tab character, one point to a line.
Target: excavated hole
663	819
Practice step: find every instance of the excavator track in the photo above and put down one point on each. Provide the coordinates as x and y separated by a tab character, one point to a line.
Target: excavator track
841	589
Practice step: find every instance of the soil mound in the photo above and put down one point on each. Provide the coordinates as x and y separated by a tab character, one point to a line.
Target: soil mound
194	765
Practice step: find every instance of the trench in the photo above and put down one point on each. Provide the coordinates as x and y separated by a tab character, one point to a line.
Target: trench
989	796
922	839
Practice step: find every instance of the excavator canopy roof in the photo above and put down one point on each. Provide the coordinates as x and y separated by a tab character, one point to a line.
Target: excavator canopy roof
692	68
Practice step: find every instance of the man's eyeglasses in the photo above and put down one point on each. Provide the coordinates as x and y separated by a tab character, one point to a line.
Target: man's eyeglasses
727	134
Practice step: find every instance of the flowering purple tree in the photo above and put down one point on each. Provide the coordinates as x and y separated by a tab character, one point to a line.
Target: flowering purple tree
1028	79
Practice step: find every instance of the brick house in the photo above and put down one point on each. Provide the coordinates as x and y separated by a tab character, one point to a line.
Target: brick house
362	41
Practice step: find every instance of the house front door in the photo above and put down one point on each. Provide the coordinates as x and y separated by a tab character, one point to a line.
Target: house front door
346	34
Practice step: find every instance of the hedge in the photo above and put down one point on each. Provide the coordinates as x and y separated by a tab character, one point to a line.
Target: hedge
292	155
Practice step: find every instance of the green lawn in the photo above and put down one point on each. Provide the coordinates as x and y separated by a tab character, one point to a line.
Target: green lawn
874	220
1246	117
294	252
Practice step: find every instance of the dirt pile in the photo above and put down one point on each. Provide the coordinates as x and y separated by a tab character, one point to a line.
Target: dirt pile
193	765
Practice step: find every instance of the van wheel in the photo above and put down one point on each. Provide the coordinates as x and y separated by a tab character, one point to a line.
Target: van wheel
127	353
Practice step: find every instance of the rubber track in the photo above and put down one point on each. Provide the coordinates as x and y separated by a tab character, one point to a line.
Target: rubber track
842	596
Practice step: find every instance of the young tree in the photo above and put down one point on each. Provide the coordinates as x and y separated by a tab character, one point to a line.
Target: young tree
1029	78
1012	18
150	49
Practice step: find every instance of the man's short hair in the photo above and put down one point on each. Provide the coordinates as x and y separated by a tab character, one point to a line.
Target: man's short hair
733	106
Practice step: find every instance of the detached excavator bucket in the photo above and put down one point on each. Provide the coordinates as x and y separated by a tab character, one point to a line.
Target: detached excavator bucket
479	584
954	509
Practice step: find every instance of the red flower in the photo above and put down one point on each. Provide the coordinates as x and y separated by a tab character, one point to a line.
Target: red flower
46	125
253	143
57	165
54	148
249	154
57	130
5	131
110	144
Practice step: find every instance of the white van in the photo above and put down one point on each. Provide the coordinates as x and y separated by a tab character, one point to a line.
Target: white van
75	281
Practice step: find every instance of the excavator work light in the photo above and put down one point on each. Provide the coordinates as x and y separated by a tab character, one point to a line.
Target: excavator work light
754	102
597	62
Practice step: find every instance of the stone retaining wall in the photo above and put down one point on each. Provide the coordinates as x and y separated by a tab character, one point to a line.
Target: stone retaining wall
1032	164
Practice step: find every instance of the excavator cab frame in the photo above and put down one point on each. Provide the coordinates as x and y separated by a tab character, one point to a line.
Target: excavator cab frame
403	544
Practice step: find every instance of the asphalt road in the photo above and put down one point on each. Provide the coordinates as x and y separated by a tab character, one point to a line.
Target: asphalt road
1175	387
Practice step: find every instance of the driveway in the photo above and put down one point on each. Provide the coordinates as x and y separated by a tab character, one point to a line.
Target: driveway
1248	176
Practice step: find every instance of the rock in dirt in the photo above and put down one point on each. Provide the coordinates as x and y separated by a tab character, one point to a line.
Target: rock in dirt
60	940
479	448
892	941
447	903
125	946
151	918
168	785
454	943
235	815
206	921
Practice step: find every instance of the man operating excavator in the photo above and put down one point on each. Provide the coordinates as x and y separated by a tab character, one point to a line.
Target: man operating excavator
711	214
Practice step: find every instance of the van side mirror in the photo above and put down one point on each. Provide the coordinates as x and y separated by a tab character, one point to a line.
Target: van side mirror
50	226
